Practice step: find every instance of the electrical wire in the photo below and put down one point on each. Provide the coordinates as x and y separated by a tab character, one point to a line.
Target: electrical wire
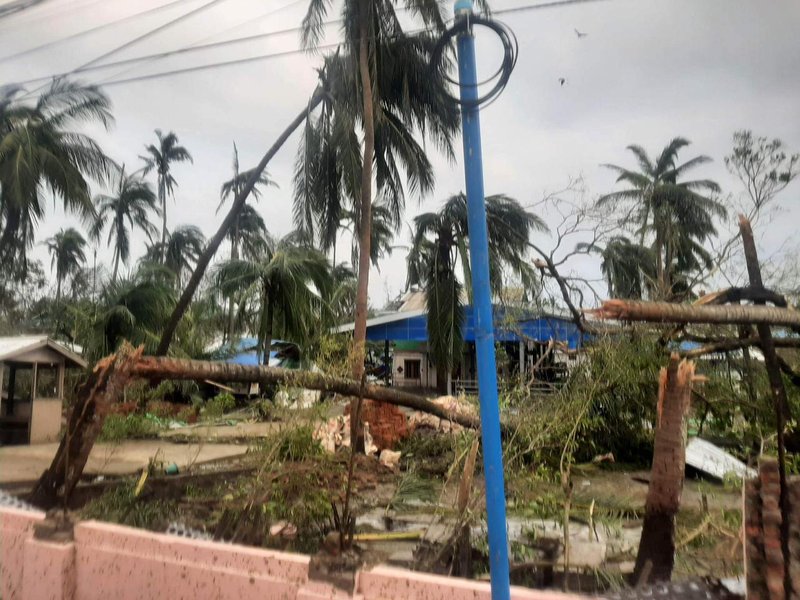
215	65
80	34
20	20
465	24
198	44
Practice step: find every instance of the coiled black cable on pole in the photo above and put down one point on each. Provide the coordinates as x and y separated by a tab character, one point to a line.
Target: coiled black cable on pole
464	24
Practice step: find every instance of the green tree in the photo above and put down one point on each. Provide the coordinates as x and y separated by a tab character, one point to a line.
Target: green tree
288	282
180	252
41	155
676	212
132	309
628	267
160	158
441	243
127	209
67	255
380	85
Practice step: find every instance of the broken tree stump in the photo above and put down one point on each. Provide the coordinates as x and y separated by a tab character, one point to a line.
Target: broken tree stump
103	388
656	556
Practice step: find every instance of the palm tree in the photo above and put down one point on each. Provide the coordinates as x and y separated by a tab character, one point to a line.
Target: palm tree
629	268
132	309
246	218
160	158
126	210
288	282
380	83
41	153
440	243
676	212
180	252
67	251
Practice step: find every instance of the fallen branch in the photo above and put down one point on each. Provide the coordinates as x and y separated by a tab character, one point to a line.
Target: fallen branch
157	368
665	312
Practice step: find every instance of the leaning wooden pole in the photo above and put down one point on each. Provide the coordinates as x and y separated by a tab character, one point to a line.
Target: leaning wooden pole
665	312
778	391
656	556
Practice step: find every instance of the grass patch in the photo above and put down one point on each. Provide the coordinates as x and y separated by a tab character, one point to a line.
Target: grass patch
126	427
119	505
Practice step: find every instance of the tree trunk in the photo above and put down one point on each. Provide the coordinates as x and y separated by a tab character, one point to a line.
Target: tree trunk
58	289
365	220
780	401
656	555
116	266
162	196
163	368
270	318
660	264
214	243
112	374
104	387
666	312
234	256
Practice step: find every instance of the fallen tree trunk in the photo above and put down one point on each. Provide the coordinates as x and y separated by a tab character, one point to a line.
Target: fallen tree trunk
156	367
103	388
107	382
656	556
665	312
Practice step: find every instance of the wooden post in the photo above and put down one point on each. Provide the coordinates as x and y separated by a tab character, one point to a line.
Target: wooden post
656	555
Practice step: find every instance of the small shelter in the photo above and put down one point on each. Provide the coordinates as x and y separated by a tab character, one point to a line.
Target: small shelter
32	388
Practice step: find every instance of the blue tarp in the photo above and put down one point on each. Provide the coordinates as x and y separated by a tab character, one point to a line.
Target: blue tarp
507	329
244	352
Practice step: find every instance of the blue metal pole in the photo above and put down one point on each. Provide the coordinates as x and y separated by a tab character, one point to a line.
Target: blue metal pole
482	302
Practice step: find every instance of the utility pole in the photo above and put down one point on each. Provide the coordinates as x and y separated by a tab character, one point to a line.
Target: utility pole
482	301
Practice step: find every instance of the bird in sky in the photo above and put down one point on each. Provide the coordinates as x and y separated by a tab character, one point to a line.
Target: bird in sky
562	80
580	34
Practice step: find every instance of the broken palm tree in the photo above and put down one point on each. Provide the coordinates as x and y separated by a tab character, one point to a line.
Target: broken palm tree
111	375
758	314
656	555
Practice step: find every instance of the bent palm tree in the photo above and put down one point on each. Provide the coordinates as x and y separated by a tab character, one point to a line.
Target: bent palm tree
67	252
40	153
379	83
160	158
289	280
126	210
680	217
440	243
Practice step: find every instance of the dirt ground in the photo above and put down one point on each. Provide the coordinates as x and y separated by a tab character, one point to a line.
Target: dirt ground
26	463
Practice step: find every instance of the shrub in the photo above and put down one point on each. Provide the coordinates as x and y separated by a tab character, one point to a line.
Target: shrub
124	427
219	405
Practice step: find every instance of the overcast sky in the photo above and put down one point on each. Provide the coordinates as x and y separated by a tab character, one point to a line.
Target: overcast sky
647	71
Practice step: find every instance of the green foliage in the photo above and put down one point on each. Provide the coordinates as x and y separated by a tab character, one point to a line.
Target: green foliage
117	428
220	404
293	444
607	405
119	505
412	488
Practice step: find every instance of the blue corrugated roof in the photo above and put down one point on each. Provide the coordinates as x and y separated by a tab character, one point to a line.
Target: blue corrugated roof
541	328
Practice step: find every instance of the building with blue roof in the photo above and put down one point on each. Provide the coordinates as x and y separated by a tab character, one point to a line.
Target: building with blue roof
529	339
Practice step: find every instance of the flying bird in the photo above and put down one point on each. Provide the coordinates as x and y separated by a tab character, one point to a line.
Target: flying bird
562	81
580	34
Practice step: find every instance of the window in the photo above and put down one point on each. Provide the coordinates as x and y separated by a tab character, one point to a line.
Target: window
47	381
412	369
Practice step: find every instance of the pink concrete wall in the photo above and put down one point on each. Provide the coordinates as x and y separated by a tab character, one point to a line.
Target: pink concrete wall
110	562
16	526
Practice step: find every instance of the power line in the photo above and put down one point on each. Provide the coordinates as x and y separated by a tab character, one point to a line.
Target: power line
20	20
150	33
80	34
198	44
232	62
185	50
